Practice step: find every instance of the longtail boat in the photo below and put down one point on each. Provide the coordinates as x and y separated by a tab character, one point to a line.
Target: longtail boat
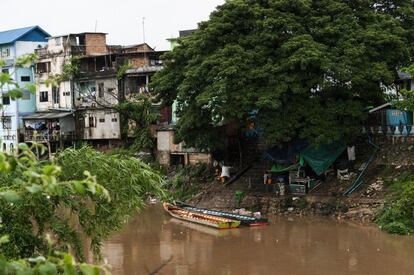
245	220
204	219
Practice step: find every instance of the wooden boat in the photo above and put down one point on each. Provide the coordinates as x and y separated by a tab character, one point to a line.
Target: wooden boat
244	220
213	221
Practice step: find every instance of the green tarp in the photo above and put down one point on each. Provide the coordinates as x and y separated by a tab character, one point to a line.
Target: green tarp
322	157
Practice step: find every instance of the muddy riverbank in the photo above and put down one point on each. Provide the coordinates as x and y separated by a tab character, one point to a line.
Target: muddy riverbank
362	209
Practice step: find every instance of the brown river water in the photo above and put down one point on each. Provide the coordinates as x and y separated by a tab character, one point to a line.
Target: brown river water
287	246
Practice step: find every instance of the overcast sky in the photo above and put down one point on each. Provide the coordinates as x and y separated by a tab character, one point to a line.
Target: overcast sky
121	19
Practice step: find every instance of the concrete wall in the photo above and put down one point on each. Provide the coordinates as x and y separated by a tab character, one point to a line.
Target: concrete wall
67	124
28	47
107	125
84	97
166	147
65	92
7	52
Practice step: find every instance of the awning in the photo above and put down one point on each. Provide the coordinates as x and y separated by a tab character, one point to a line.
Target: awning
48	115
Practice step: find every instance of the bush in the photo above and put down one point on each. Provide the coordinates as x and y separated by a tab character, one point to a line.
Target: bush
239	196
188	180
302	203
128	180
397	217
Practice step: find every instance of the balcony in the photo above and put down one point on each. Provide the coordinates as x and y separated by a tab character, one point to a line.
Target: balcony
43	136
41	52
78	50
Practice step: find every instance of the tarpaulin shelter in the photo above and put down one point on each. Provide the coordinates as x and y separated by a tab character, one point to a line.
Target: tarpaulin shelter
320	158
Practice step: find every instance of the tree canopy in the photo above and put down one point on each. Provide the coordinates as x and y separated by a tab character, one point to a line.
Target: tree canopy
308	68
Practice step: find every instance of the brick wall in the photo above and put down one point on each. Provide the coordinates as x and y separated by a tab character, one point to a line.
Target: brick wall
95	44
138	62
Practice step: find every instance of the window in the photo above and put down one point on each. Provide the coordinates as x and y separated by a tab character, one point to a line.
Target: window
4	147
25	79
6	122
26	95
58	41
6	100
43	67
66	93
12	148
44	96
114	119
92	122
55	95
5	53
100	90
5	71
101	120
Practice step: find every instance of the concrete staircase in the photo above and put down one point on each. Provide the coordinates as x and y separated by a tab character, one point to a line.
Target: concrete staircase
252	179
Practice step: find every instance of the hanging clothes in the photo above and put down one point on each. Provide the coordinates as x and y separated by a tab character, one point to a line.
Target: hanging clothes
351	153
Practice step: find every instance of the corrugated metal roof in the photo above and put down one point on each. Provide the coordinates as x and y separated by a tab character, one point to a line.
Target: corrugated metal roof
10	36
51	115
388	104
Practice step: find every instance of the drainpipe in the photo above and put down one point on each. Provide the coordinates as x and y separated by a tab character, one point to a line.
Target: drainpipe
17	112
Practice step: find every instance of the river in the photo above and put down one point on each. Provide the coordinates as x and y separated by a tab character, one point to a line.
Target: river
287	246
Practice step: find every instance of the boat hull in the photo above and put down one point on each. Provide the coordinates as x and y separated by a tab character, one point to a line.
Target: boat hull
208	220
244	220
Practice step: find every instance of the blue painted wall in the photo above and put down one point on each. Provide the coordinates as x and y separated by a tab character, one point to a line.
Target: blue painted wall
9	138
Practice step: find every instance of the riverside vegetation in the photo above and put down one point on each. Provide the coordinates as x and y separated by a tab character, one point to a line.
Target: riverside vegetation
48	211
50	208
397	217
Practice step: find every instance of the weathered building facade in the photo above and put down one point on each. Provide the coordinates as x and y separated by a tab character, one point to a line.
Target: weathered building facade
14	44
80	84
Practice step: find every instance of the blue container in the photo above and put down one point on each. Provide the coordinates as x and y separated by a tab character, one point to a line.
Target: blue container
398	117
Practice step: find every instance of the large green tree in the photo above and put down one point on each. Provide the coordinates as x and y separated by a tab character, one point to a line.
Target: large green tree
308	67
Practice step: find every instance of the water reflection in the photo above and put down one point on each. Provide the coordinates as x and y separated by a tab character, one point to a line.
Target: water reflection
298	246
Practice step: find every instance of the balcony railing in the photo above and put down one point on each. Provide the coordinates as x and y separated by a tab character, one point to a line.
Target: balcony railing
47	135
389	130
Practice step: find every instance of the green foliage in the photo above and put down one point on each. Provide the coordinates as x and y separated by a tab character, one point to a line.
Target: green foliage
55	263
407	102
302	203
140	113
239	196
308	67
31	193
12	88
128	180
122	70
397	217
70	70
35	204
188	180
